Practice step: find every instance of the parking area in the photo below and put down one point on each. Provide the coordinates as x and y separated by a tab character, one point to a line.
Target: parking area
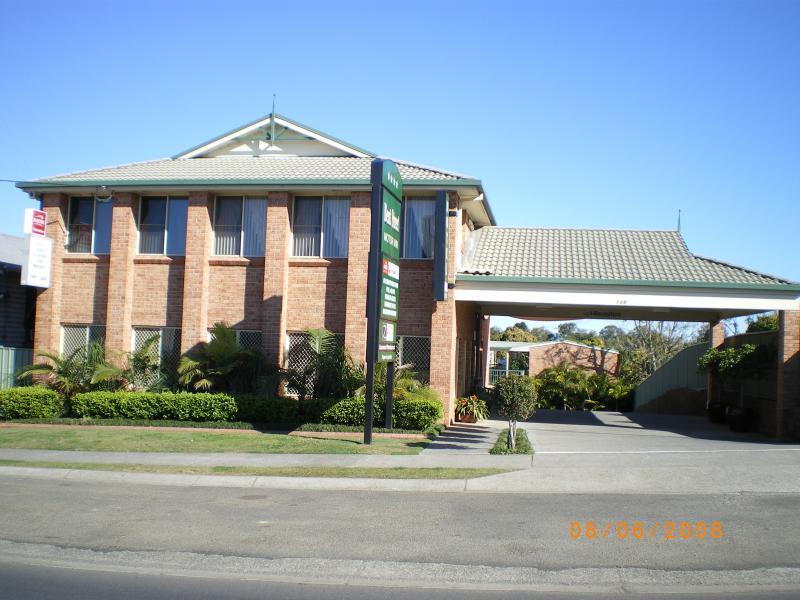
583	432
614	453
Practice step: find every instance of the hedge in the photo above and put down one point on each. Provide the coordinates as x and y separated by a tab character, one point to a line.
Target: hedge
30	403
417	410
180	406
256	409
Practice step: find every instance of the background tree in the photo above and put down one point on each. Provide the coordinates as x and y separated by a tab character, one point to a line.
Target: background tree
648	345
763	322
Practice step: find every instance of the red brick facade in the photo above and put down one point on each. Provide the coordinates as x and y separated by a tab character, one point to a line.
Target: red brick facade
276	295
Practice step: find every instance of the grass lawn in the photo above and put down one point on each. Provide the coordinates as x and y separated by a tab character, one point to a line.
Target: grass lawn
119	440
362	472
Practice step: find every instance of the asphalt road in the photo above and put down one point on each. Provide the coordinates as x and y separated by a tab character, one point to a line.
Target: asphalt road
428	540
21	582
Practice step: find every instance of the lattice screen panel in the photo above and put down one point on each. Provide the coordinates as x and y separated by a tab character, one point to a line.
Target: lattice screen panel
415	350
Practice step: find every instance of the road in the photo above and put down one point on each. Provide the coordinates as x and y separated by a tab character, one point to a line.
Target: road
474	541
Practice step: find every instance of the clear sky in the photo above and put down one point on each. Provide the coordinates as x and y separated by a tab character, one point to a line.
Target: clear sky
574	114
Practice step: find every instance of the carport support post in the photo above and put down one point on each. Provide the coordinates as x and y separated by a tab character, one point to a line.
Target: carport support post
788	380
716	332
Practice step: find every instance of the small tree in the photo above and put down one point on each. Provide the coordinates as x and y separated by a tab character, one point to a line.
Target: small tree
141	372
516	401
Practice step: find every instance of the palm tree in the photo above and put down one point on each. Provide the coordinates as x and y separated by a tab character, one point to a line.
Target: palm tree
68	375
329	372
141	372
220	364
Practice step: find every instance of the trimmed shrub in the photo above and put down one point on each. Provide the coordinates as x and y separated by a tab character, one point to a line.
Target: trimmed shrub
182	406
350	411
311	409
260	409
416	410
30	403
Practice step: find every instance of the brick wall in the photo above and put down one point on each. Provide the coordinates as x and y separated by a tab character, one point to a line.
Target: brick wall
591	359
157	291
317	294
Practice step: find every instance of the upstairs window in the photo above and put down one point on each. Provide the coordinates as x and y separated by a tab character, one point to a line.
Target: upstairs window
89	226
420	217
321	226
162	225
240	226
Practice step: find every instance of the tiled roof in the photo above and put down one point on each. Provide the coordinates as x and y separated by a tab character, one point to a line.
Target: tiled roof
247	170
599	254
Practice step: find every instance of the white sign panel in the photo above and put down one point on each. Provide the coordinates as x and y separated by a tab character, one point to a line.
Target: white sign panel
36	269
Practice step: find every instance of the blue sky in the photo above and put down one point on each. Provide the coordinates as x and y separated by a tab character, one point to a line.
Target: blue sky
574	114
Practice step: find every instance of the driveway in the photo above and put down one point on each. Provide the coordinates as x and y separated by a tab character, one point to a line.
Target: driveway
610	452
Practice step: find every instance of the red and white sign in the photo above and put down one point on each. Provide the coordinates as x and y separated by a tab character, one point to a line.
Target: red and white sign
35	222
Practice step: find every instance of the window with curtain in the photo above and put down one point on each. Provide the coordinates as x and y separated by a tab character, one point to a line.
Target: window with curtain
419	227
162	225
81	222
101	244
89	226
321	226
240	226
335	226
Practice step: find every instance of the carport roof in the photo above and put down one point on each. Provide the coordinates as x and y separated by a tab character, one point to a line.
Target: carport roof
624	257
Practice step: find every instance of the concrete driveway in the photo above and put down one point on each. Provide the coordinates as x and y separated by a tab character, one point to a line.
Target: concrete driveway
608	452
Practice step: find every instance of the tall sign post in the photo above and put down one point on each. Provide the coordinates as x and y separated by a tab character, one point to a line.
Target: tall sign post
383	281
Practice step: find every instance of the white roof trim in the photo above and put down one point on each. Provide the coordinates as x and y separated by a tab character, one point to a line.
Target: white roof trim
221	141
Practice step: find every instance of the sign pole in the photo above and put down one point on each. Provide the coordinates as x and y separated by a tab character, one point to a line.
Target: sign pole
383	281
389	394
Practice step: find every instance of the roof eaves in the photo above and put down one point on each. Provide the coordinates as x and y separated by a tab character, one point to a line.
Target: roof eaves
128	183
786	287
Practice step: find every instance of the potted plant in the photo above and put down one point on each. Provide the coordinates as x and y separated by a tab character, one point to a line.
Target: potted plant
471	410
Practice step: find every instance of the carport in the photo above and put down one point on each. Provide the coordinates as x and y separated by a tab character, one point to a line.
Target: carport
560	274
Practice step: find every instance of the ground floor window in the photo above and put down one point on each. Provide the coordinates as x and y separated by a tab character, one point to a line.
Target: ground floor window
415	350
247	339
300	351
168	348
76	338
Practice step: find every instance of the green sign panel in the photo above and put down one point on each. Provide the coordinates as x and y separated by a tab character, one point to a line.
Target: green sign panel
390	226
391	192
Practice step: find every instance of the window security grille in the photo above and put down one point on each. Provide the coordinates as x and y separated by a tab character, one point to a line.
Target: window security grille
300	351
75	338
168	348
249	339
415	350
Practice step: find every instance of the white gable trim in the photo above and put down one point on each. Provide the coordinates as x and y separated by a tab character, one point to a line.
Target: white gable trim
229	137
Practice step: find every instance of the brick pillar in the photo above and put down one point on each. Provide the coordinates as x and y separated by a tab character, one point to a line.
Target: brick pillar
276	276
47	333
355	328
717	338
120	274
194	320
443	326
787	405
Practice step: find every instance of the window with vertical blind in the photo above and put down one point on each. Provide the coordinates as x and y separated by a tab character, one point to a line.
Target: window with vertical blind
240	225
419	230
89	226
321	226
162	225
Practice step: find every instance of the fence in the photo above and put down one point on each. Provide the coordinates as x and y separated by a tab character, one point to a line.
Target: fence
679	372
497	374
11	361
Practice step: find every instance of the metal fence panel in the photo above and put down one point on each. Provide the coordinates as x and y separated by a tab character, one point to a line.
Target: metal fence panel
11	361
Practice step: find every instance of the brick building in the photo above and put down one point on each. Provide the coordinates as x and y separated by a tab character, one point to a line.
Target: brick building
266	227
